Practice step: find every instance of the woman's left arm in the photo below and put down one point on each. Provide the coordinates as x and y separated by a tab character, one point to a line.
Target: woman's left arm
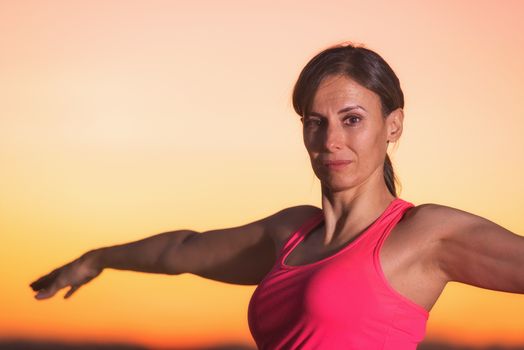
476	251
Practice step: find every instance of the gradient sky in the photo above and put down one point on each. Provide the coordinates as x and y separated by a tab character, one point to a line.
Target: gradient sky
123	119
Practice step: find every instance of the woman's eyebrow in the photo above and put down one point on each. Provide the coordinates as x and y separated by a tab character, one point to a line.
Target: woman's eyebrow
343	110
349	108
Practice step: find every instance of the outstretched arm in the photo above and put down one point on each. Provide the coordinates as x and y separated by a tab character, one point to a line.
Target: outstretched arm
238	255
476	251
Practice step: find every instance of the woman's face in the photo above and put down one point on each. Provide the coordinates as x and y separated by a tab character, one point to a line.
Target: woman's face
346	125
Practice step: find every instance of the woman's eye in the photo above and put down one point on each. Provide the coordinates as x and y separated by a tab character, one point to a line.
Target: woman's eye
353	119
311	121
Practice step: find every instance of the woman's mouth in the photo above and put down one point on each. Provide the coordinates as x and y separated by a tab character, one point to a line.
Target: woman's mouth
337	164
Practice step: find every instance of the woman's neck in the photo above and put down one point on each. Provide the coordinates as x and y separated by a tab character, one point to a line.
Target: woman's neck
347	213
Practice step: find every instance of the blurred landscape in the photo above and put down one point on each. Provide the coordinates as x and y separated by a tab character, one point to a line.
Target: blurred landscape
16	344
123	119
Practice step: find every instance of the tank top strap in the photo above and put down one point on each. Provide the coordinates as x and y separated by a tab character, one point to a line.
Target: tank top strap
371	239
298	234
391	218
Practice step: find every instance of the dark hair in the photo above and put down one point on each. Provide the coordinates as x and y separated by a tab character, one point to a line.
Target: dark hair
364	66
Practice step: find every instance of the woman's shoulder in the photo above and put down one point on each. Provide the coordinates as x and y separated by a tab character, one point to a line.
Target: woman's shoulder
429	212
434	219
289	220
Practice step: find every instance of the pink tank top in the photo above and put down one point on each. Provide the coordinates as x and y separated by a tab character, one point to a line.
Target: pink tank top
340	302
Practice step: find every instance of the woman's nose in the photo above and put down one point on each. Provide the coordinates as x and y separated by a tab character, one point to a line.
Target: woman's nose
334	138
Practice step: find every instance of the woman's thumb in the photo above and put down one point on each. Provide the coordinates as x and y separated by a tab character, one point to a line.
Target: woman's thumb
71	291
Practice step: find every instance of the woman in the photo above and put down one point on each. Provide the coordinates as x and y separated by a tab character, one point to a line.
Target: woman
363	271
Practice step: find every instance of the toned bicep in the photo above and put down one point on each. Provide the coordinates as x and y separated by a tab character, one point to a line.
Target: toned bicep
481	253
238	255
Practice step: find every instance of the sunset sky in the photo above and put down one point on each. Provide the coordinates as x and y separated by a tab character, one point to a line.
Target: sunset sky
123	119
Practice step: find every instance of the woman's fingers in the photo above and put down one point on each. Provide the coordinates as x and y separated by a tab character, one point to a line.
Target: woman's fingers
48	285
46	293
49	292
73	275
44	281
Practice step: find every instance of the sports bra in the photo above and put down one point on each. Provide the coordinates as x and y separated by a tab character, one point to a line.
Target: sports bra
342	301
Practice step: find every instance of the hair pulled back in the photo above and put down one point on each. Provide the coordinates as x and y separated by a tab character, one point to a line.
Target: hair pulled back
364	66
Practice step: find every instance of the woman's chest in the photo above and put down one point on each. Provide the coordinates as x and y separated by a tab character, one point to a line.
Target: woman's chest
404	259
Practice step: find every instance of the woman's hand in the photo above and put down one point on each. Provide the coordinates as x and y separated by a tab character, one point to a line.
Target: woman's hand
74	274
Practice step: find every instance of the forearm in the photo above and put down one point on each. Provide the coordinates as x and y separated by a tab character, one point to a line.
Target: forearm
145	255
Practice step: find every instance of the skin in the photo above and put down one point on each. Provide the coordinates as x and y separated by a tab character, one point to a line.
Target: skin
354	196
430	246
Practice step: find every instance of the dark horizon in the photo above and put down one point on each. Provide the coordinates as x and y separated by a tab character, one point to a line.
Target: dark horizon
32	344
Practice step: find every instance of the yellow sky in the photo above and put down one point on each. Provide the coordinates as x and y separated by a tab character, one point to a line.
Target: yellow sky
122	119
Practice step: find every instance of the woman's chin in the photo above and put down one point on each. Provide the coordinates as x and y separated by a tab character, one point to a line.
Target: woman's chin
336	186
336	181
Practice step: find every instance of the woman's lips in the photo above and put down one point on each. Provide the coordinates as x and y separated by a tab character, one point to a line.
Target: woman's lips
336	164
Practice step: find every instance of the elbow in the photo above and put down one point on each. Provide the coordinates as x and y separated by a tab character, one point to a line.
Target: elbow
169	260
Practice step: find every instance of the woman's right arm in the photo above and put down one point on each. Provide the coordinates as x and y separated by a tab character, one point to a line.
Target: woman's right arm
238	255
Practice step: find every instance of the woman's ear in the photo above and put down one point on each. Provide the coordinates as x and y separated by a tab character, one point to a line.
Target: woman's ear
394	124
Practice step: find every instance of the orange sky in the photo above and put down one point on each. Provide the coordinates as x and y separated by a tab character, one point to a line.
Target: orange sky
122	119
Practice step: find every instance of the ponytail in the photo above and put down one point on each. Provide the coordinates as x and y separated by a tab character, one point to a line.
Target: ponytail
389	176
